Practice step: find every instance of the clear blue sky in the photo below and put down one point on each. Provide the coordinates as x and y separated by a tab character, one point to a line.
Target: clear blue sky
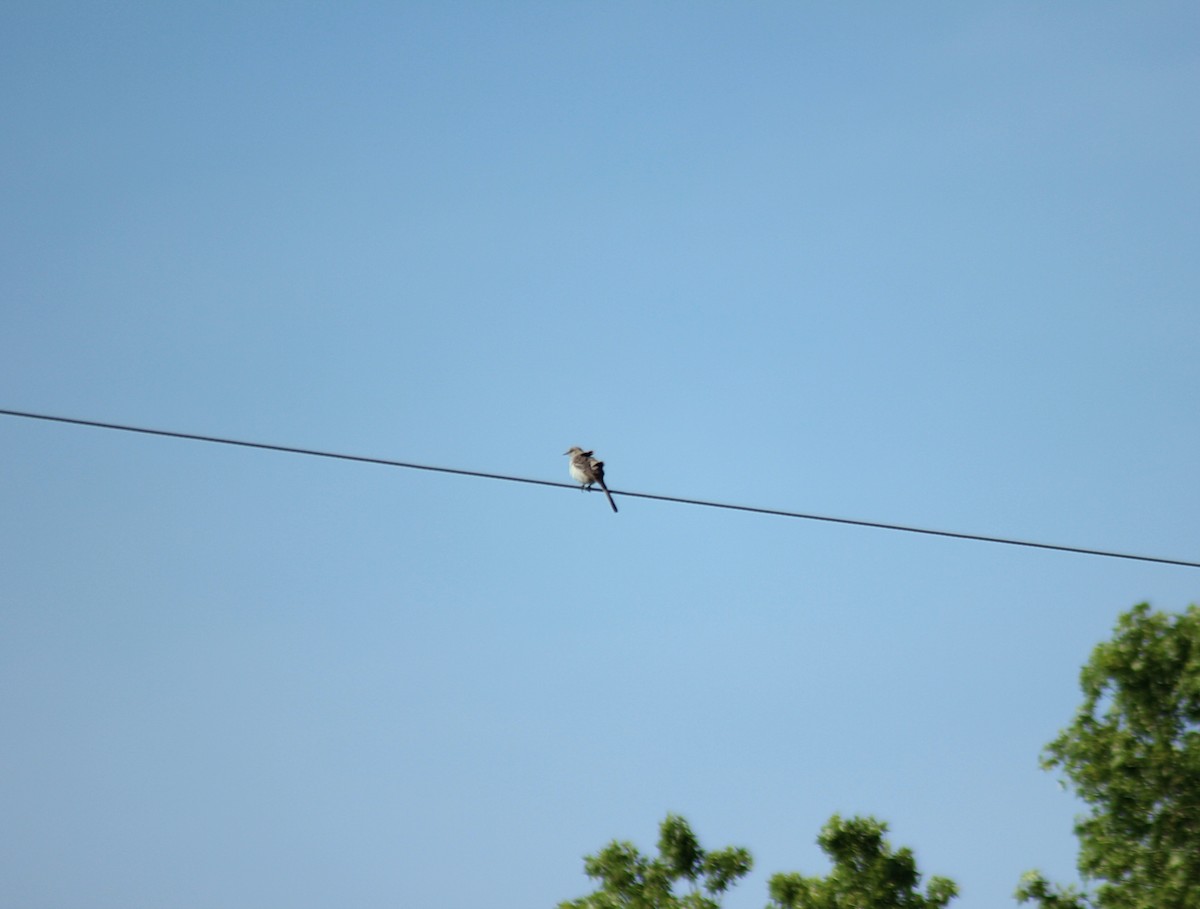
930	264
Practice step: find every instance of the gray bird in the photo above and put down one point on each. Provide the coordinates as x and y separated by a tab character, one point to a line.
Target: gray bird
586	471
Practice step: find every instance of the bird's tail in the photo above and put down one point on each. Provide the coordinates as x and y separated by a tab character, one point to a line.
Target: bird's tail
608	495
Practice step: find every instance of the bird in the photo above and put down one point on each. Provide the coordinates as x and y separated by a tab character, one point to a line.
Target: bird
586	470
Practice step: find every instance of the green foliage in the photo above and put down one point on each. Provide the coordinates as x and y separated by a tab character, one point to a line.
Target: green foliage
1035	888
867	874
1133	755
629	880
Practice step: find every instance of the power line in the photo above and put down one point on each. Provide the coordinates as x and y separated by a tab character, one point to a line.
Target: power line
388	462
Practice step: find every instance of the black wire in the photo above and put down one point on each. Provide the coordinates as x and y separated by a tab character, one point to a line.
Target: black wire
387	462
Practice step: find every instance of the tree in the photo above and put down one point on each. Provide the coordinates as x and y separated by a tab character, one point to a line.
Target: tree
1132	755
629	880
866	874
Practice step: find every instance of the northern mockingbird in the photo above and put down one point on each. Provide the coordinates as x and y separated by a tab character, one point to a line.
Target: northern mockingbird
586	470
